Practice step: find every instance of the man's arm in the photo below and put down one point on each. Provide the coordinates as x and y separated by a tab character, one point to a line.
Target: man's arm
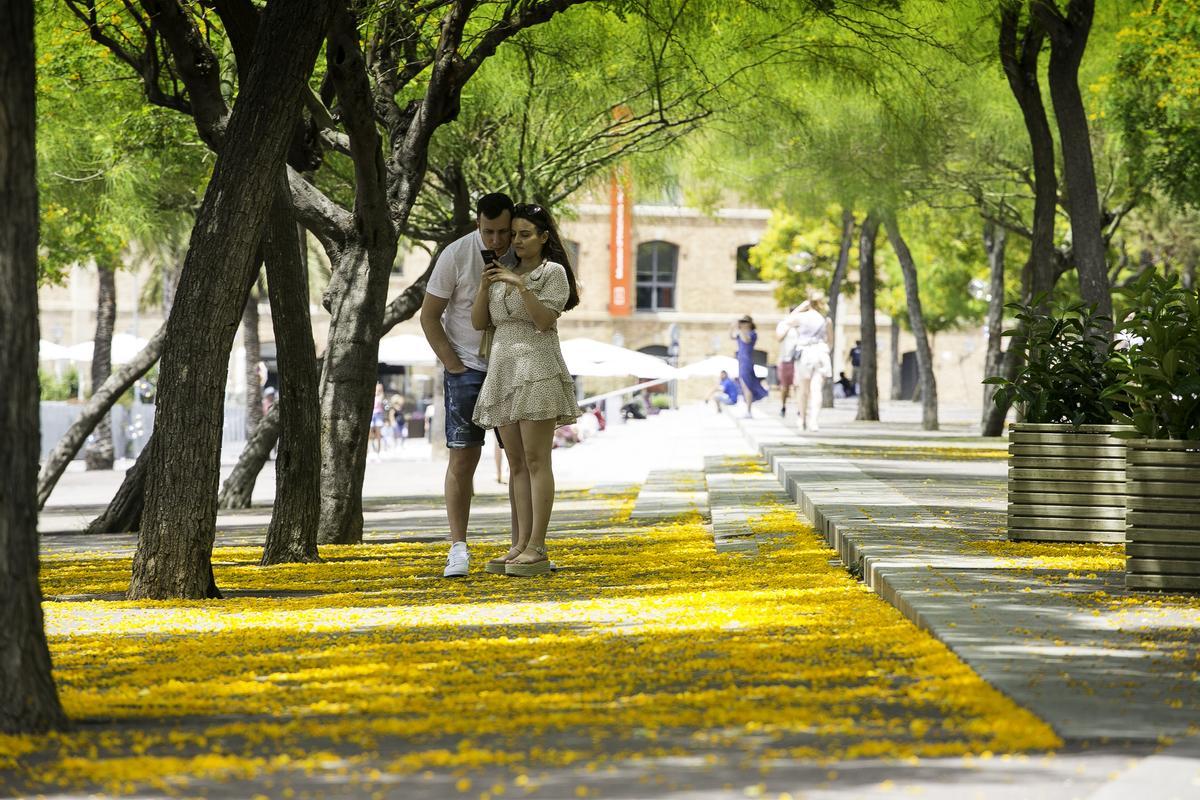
431	322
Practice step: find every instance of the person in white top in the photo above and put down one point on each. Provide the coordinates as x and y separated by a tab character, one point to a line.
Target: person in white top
811	329
446	320
785	368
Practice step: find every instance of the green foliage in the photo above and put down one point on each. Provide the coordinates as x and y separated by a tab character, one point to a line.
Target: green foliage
660	401
1067	372
59	388
1157	365
112	170
1154	94
799	254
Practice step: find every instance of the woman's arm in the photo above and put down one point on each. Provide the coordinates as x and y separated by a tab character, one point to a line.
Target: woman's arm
481	317
543	318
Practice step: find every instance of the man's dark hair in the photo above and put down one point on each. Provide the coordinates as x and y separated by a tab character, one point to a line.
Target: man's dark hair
493	205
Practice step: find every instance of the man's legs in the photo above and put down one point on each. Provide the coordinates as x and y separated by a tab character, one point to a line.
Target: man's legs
464	441
460	488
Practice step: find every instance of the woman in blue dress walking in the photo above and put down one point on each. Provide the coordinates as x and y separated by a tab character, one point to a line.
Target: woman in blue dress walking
746	335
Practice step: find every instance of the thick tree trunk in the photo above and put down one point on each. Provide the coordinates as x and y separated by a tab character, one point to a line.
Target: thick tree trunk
292	535
995	240
28	700
350	367
868	397
835	292
173	557
100	449
96	408
897	372
916	320
348	380
253	349
1068	41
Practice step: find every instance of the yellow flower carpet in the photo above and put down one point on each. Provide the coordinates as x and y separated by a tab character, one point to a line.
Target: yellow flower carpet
647	645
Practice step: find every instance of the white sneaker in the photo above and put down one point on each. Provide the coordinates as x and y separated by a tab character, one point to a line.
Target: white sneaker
458	562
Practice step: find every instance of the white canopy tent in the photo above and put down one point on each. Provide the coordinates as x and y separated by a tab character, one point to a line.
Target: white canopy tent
49	351
593	359
711	368
124	348
406	349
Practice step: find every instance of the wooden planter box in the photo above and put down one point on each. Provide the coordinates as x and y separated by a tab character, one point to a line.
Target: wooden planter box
1066	484
1162	549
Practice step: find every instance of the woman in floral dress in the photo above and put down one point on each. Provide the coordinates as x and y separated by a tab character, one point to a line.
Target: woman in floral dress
528	391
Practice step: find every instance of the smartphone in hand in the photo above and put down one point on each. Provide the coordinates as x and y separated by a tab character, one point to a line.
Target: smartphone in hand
488	256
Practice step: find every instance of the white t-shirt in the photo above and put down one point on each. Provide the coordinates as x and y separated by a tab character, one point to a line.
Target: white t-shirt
456	278
810	327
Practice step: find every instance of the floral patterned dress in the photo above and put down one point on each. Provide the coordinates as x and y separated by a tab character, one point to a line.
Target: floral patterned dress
527	378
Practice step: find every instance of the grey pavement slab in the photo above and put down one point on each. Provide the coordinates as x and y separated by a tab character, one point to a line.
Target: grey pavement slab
669	493
906	526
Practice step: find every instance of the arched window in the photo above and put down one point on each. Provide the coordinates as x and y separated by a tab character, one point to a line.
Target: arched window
656	270
746	272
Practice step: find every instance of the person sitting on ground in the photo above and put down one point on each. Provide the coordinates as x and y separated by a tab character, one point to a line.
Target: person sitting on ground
726	393
846	384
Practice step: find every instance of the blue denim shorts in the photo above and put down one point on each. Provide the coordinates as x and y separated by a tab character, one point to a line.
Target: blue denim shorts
461	393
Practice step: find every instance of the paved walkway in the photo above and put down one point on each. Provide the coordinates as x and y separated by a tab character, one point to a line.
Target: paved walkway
904	518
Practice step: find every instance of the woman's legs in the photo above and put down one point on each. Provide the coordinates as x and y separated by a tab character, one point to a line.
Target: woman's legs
815	383
537	437
518	486
803	388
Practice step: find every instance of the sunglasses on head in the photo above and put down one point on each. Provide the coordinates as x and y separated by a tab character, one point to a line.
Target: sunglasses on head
528	208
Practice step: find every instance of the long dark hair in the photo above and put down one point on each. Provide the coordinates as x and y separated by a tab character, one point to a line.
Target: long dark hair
553	250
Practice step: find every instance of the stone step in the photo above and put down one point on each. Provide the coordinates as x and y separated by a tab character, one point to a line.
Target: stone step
670	493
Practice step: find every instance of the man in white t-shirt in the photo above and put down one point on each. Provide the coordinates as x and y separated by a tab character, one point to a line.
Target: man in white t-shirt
446	319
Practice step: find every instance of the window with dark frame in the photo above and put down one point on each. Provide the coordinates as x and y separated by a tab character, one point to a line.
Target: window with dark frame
657	266
746	272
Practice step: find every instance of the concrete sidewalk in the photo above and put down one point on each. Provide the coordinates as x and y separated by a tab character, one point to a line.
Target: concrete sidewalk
911	513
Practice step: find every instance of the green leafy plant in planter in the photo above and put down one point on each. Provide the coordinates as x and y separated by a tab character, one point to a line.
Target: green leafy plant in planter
1067	370
1157	367
1066	477
1156	360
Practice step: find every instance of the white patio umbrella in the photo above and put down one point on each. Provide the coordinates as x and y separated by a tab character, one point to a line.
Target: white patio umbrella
590	358
49	351
711	368
124	348
406	349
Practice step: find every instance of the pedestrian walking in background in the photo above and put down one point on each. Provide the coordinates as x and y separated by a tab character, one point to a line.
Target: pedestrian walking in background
446	320
813	365
785	367
528	391
856	364
378	419
744	332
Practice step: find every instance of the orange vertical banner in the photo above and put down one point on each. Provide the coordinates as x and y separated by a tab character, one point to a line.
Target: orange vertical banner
620	245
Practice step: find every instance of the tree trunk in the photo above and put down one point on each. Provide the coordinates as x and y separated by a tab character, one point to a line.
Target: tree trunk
173	558
240	483
868	397
916	320
124	511
348	378
253	348
897	372
835	291
28	699
350	368
1019	57
995	240
1068	40
1019	52
96	408
292	535
100	450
